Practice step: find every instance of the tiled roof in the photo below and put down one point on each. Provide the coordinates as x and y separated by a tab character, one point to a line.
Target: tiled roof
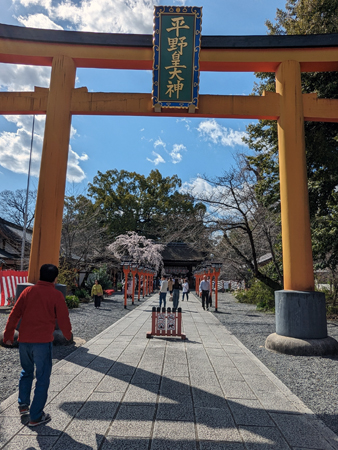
177	251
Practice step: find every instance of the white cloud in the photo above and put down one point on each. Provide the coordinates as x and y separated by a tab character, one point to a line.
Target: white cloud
159	142
46	4
15	149
214	132
74	171
196	186
23	78
185	121
39	21
176	155
158	159
73	132
134	16
105	16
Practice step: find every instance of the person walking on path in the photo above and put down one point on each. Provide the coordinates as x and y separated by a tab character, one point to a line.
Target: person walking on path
176	293
204	291
170	285
38	307
97	293
185	289
163	291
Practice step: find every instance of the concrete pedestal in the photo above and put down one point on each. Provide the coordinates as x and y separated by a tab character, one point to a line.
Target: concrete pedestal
301	327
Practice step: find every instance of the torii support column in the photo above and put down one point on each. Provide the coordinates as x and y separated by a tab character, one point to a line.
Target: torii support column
45	247
126	273
143	283
147	284
133	271
301	327
217	272
139	273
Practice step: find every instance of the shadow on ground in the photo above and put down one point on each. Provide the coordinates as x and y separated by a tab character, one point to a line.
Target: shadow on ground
221	423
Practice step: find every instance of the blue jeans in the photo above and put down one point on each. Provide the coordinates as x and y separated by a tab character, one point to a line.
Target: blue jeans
176	298
187	294
163	299
40	355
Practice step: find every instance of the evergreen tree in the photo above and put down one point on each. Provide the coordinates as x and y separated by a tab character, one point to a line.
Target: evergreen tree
150	206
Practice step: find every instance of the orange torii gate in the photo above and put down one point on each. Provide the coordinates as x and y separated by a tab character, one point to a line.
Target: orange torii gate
287	56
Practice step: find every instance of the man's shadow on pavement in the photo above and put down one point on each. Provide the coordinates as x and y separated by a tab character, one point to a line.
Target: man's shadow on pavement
188	404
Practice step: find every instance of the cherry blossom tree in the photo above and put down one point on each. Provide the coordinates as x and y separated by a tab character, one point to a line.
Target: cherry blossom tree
141	250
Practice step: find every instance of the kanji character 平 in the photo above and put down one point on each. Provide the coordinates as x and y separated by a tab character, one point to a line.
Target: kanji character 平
177	24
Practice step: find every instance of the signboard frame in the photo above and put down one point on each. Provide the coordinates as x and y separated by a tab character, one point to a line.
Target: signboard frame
189	45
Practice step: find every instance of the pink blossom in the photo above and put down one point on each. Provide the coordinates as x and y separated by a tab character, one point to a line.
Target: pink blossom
141	250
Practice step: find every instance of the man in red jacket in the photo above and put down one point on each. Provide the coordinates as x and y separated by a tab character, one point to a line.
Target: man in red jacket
38	307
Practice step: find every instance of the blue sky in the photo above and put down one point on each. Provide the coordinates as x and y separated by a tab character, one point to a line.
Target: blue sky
187	147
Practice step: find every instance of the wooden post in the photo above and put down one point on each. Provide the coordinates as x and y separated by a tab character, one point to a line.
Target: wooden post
147	284
126	272
46	240
296	235
198	285
139	273
217	272
210	282
133	271
143	283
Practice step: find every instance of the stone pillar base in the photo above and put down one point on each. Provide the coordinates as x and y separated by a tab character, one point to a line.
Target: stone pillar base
301	315
301	347
301	327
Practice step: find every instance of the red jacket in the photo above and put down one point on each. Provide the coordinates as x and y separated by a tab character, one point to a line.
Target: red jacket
38	306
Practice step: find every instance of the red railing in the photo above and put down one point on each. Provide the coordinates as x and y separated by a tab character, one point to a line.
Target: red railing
9	279
166	323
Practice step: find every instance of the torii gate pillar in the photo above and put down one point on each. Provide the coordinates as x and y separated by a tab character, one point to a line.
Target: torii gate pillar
46	240
300	311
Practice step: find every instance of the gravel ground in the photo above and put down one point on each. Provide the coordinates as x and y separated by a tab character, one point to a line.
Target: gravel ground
313	379
86	321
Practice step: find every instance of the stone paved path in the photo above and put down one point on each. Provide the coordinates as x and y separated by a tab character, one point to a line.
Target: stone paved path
123	391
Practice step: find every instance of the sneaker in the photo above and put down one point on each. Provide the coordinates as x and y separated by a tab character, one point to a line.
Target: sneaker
207	309
24	410
43	419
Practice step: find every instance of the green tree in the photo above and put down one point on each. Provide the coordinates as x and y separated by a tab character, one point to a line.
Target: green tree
133	202
82	236
325	243
101	276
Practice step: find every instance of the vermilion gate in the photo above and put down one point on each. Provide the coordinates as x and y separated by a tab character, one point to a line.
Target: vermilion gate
64	51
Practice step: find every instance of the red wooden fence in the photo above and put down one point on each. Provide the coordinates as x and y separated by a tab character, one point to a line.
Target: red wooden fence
9	279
